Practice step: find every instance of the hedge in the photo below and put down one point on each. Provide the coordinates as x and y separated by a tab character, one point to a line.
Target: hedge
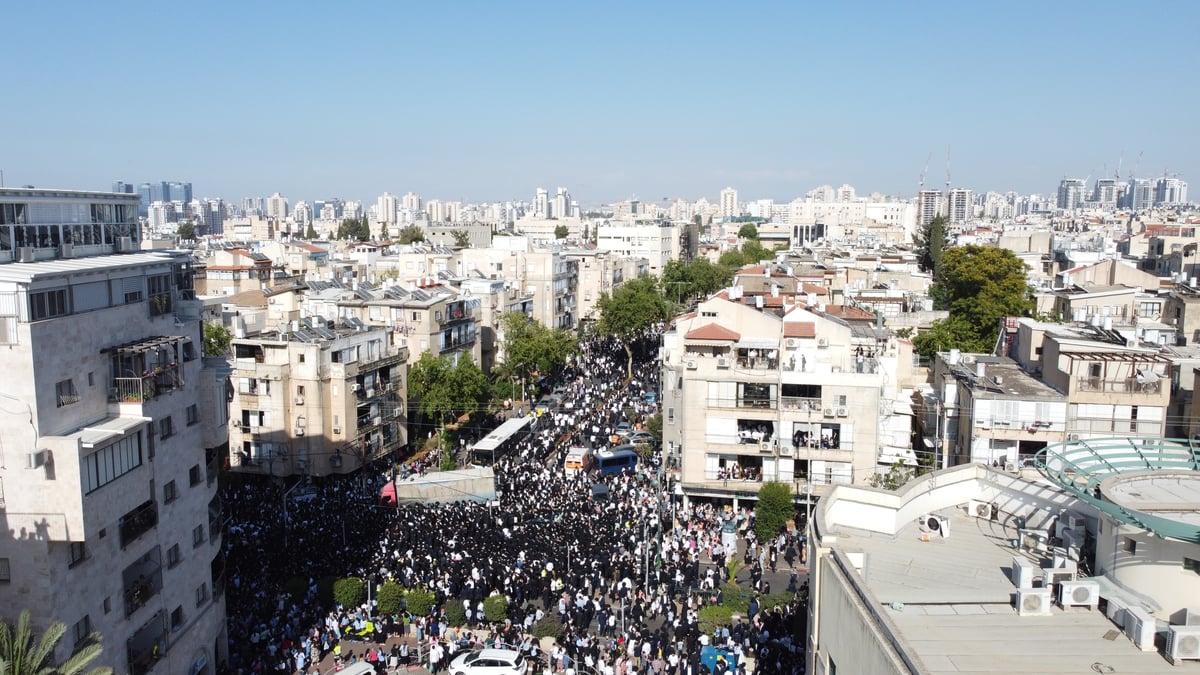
495	608
349	592
390	597
419	601
715	616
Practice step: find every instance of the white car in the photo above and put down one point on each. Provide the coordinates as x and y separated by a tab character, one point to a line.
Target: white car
489	662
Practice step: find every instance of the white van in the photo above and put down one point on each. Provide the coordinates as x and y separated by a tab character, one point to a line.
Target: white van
358	668
577	460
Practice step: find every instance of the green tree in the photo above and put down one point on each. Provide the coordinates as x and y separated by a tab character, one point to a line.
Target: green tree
748	231
349	592
456	612
446	389
687	281
419	601
495	608
216	339
391	594
930	243
633	307
561	231
22	654
897	475
773	510
186	231
461	238
654	427
310	233
531	347
980	286
411	234
713	617
586	236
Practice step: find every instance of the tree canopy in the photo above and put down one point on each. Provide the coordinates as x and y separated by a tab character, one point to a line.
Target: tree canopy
355	228
310	233
930	243
186	231
22	654
530	346
446	389
980	286
748	231
684	281
773	510
216	339
411	234
461	238
561	231
632	307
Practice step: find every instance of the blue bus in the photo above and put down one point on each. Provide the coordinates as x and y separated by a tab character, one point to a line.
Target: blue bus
615	460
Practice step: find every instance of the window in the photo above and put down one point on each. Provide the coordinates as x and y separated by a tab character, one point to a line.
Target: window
301	358
201	595
170	493
91	378
299	390
160	294
670	416
177	618
166	428
48	304
82	629
1191	565
194	476
197	536
78	553
5	573
173	556
193	414
64	392
1129	546
110	463
107	605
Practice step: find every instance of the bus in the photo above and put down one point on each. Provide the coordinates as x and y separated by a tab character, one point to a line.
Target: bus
502	440
616	460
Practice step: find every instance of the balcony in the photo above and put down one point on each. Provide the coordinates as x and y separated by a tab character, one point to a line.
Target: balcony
142	581
1128	385
809	405
138	522
744	402
148	644
147	368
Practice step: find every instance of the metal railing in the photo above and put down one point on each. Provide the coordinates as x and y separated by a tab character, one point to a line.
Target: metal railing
1128	385
150	385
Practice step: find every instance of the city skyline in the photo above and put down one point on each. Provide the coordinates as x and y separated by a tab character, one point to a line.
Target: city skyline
480	104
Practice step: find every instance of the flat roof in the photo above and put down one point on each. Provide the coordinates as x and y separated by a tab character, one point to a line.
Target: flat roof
27	272
955	610
1170	494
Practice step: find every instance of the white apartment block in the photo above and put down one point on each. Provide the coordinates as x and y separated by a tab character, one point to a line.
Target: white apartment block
549	276
656	241
108	467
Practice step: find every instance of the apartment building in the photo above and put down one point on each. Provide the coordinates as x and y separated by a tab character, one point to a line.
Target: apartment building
659	242
317	398
804	398
233	270
111	521
548	275
601	272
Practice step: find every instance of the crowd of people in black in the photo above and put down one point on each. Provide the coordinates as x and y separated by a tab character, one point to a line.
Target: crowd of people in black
626	574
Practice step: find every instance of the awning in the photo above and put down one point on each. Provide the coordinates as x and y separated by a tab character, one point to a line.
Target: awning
147	344
757	343
98	434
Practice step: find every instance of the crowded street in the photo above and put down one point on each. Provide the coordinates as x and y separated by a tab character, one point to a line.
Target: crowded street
624	568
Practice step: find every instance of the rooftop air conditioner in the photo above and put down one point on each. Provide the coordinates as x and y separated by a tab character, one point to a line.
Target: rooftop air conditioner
1079	594
842	412
66	251
1021	572
984	510
691	365
356	387
934	524
298	431
1140	628
1072	520
1183	642
1189	616
25	254
722	362
1033	602
829	412
822	342
124	244
299	400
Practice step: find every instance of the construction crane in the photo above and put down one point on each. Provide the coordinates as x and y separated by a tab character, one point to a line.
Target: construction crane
921	184
1136	164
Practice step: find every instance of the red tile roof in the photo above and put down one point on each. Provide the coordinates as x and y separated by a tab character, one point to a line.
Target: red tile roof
848	312
712	331
815	289
799	329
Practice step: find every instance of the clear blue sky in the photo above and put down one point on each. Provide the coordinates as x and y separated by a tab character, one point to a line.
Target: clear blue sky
488	100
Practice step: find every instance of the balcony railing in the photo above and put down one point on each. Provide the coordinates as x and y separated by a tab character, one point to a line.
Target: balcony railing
138	522
801	404
150	385
753	403
1128	385
148	645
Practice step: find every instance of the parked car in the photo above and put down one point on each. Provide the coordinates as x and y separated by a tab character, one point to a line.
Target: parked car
489	662
638	437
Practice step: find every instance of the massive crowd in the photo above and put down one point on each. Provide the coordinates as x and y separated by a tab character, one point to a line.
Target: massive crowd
626	574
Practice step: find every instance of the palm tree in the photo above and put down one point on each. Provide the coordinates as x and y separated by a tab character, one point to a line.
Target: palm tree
20	656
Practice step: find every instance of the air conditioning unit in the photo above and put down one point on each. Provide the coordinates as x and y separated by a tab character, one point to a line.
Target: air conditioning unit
1033	602
722	362
298	431
1073	437
793	343
984	510
356	387
1072	541
1183	642
299	400
822	342
1071	520
1189	616
842	412
125	245
829	412
371	393
25	254
1140	628
36	460
66	251
337	430
1079	594
1010	467
934	524
691	365
1021	572
377	421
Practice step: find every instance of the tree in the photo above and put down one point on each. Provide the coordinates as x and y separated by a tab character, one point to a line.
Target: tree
355	228
349	592
530	346
633	307
461	238
310	233
419	601
773	511
391	594
216	339
930	243
186	231
748	231
699	278
444	388
561	231
411	235
495	608
21	654
896	476
585	233
980	286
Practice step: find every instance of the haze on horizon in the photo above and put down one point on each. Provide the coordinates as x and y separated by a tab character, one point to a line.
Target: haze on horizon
484	101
